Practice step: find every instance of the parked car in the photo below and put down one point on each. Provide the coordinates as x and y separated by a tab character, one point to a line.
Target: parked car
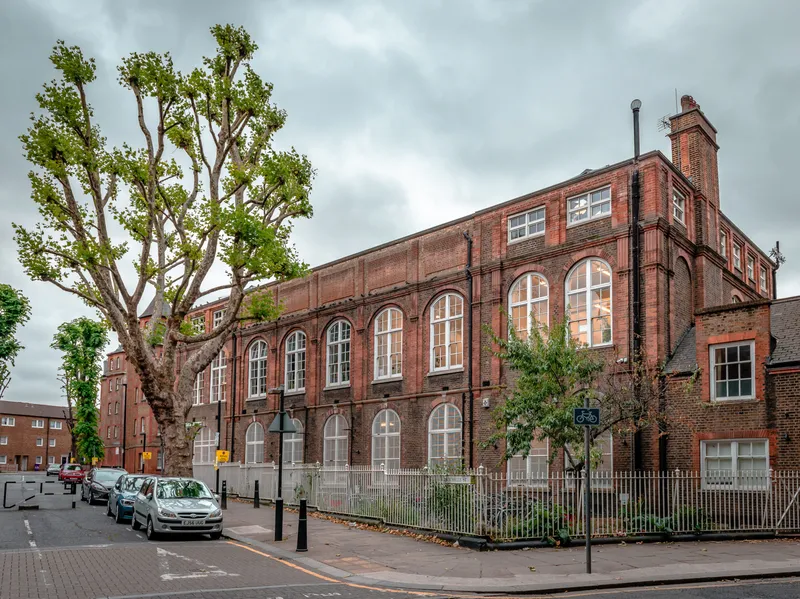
53	469
97	482
71	473
176	505
122	495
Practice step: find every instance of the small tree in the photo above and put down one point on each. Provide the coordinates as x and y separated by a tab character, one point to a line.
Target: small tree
69	412
555	374
15	311
231	201
82	341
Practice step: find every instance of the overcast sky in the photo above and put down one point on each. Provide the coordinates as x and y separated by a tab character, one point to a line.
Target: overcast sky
419	112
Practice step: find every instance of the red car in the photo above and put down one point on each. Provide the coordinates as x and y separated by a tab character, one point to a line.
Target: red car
71	473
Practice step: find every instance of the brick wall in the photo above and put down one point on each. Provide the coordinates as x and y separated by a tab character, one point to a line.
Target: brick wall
21	441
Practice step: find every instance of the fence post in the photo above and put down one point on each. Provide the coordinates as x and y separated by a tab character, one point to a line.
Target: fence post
224	494
302	527
256	498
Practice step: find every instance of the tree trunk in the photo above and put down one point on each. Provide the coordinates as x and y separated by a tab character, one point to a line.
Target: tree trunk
178	443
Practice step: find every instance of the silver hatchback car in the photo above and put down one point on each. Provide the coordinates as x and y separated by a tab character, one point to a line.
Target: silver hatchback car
166	505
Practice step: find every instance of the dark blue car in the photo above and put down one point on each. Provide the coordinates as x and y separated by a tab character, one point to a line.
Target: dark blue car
121	496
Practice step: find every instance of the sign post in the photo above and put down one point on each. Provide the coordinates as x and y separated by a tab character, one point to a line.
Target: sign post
587	417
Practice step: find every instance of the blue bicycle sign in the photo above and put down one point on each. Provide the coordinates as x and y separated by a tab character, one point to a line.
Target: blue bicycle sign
586	416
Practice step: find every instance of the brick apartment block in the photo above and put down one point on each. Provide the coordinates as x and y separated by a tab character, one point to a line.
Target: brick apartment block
32	435
397	316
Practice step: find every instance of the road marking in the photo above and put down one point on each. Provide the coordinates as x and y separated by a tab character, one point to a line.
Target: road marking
206	570
226	590
31	542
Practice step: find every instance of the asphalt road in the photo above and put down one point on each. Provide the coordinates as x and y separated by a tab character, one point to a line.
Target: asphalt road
80	553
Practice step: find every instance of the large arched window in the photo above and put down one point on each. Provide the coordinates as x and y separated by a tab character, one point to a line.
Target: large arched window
218	367
204	446
389	344
258	369
588	292
444	435
447	346
293	444
528	303
386	441
338	354
296	362
254	444
334	451
198	388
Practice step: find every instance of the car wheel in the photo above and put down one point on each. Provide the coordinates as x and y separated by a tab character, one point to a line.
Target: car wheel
150	532
109	513
118	516
83	493
91	497
135	523
215	535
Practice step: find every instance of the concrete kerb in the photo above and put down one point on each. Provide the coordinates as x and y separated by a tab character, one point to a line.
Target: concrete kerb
517	585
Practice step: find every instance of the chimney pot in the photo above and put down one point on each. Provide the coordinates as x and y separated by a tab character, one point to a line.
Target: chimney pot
688	103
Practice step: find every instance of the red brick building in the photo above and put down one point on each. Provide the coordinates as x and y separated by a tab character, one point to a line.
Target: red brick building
32	436
382	353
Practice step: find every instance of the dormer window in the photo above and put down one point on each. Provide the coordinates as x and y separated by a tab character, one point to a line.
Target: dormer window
595	204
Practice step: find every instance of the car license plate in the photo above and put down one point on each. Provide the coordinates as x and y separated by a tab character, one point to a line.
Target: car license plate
192	522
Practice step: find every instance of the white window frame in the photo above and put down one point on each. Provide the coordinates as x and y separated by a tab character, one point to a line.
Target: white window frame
385	441
713	370
108	432
4	440
55	425
110	384
204	446
37	423
8	421
254	444
535	475
216	317
198	324
52	443
159	460
257	369
116	431
336	442
293	444
450	320
388	364
337	352
587	291
3	460
762	278
573	212
679	206
751	268
447	433
109	408
116	407
39	441
295	377
723	243
737	256
142	426
755	483
529	303
219	368
51	460
199	387
532	219
38	461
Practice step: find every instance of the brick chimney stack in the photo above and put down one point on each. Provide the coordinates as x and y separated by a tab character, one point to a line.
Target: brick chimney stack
694	148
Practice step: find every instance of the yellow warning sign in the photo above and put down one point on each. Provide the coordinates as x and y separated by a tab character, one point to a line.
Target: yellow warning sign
94	461
223	456
147	455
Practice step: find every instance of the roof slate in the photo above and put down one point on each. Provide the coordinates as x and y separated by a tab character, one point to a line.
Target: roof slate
37	410
685	357
785	325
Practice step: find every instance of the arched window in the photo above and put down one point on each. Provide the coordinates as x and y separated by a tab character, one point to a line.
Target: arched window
334	451
588	291
444	435
338	354
198	388
736	299
204	446
528	303
254	444
386	441
296	362
447	346
293	444
218	367
258	369
389	344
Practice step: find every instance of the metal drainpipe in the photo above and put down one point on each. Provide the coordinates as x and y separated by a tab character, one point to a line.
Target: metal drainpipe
636	269
468	272
124	419
232	442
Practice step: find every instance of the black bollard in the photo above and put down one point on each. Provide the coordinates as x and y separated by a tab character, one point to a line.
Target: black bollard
224	494
256	498
302	528
72	492
279	519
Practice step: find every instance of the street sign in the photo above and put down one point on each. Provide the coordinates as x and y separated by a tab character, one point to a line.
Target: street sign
147	455
223	456
94	461
586	416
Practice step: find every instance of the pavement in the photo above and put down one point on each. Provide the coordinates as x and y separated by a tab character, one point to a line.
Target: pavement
353	553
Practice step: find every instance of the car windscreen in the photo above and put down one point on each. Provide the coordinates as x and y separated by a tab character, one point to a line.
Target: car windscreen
132	484
176	489
107	476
